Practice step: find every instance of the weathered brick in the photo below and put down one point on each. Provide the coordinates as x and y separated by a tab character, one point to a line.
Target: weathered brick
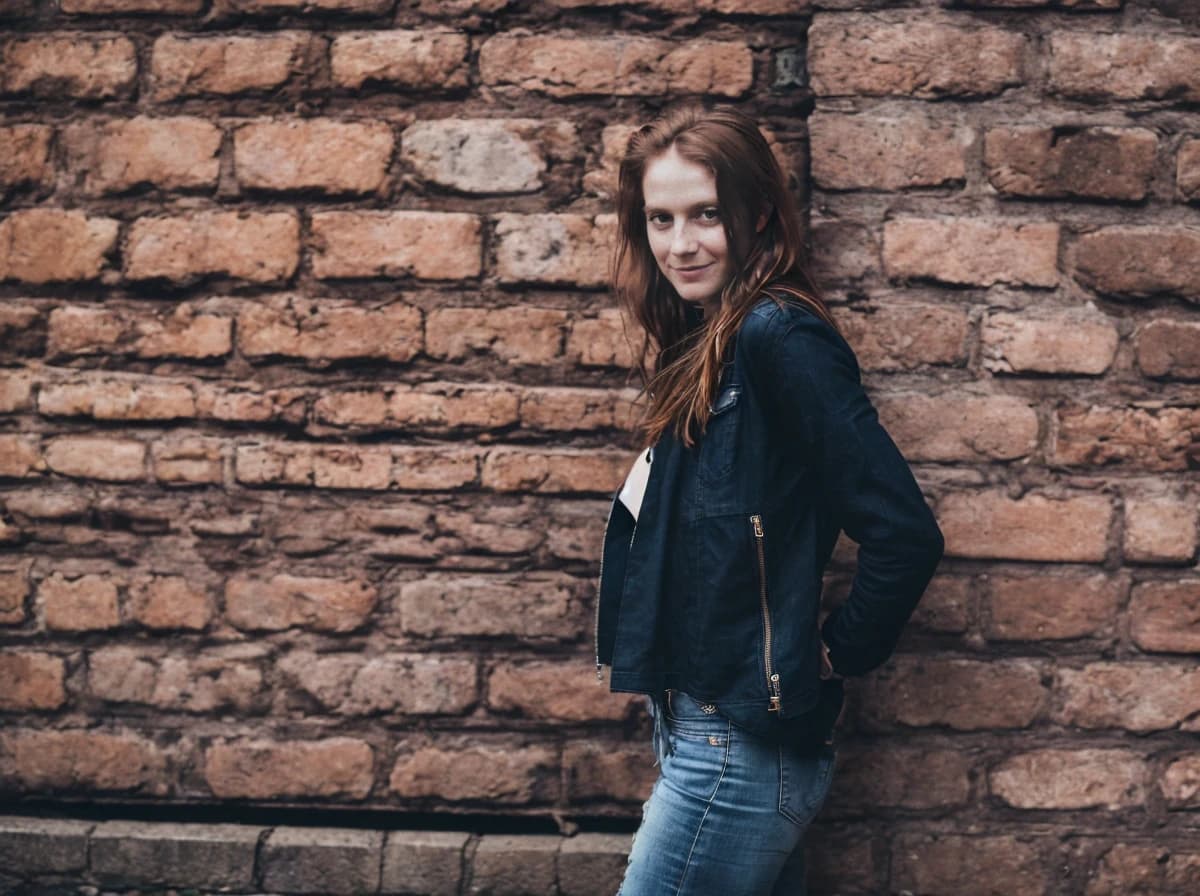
321	860
135	853
118	398
317	153
1160	529
418	60
436	406
851	152
476	771
46	245
429	245
858	54
97	457
515	865
1180	782
429	862
971	251
75	761
175	153
592	863
605	771
962	427
554	690
328	329
109	7
275	7
194	460
944	864
614	139
905	335
906	777
80	66
1137	868
31	679
1168	348
1062	605
965	695
1187	170
945	605
323	466
341	767
1092	163
261	247
83	603
43	845
486	155
517	335
1124	66
553	408
229	64
170	602
1077	340
287	405
599	341
436	468
25	155
1055	778
20	456
412	684
549	248
1139	261
562	66
287	601
539	471
1156	439
1165	616
1130	696
226	680
16	391
843	251
183	331
22	329
990	524
531	605
14	588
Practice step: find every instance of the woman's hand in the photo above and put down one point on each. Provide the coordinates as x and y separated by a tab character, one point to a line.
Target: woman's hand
826	665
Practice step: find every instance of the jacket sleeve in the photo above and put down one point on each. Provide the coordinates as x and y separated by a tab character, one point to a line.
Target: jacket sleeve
813	384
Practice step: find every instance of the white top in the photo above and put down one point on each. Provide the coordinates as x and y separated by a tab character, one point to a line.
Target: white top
635	483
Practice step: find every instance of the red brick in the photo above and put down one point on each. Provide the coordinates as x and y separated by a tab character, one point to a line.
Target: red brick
843	251
539	471
558	249
600	341
1093	163
81	66
83	603
436	468
229	64
288	601
79	761
905	777
990	524
1160	529
16	391
1124	66
25	155
1077	340
409	684
1135	868
45	245
554	690
965	695
474	771
225	680
170	602
20	456
1187	170
188	461
1159	440
944	864
553	408
97	457
328	329
1180	782
318	153
1130	696
859	54
531	605
258	247
30	680
1139	261
287	405
906	335
1058	606
178	153
852	152
434	406
562	65
1168	348
425	60
602	181
112	398
14	588
324	466
336	767
517	335
971	251
963	427
945	605
1165	616
429	245
606	771
275	7
1056	778
109	7
79	329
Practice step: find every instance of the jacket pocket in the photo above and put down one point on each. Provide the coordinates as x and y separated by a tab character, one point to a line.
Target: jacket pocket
718	445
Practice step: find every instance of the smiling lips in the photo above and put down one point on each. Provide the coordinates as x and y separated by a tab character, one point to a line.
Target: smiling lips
692	272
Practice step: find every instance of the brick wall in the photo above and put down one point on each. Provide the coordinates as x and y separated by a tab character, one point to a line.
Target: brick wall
311	398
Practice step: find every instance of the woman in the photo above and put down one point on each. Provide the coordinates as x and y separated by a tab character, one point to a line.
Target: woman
762	447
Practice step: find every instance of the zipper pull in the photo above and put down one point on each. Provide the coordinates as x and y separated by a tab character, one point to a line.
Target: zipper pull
758	529
775	701
599	674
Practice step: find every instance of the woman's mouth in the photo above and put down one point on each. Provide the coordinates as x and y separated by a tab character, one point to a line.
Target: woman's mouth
693	272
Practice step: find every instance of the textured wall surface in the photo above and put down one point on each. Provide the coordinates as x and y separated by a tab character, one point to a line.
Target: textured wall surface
312	395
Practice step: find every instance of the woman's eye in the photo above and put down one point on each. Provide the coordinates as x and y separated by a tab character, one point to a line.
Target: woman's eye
710	214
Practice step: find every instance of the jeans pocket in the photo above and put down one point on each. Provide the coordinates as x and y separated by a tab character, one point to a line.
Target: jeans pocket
804	783
698	757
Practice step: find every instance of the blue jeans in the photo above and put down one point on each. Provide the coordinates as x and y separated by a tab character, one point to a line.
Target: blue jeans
728	811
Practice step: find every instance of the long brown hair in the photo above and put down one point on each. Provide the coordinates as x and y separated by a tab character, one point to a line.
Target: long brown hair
681	355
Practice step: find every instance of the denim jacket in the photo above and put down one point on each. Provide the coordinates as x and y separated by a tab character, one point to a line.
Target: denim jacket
793	454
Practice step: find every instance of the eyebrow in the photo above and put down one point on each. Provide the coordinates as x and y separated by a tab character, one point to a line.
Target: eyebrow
695	205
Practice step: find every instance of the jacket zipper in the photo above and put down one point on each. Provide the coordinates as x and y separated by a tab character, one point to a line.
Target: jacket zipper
776	704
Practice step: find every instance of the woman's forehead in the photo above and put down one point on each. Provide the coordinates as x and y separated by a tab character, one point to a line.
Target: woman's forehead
672	182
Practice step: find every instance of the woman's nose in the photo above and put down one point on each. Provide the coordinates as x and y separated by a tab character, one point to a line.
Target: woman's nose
682	241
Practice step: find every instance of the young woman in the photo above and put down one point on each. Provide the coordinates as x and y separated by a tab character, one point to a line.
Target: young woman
761	446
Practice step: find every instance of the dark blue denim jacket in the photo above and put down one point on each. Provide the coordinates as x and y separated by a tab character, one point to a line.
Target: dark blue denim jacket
793	454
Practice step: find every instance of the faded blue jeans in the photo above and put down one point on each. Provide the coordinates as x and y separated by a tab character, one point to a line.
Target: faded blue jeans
728	812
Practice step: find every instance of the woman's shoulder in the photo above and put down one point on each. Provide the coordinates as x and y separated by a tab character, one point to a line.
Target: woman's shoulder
774	314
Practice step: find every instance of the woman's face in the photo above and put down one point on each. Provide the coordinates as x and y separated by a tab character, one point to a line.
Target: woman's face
684	228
